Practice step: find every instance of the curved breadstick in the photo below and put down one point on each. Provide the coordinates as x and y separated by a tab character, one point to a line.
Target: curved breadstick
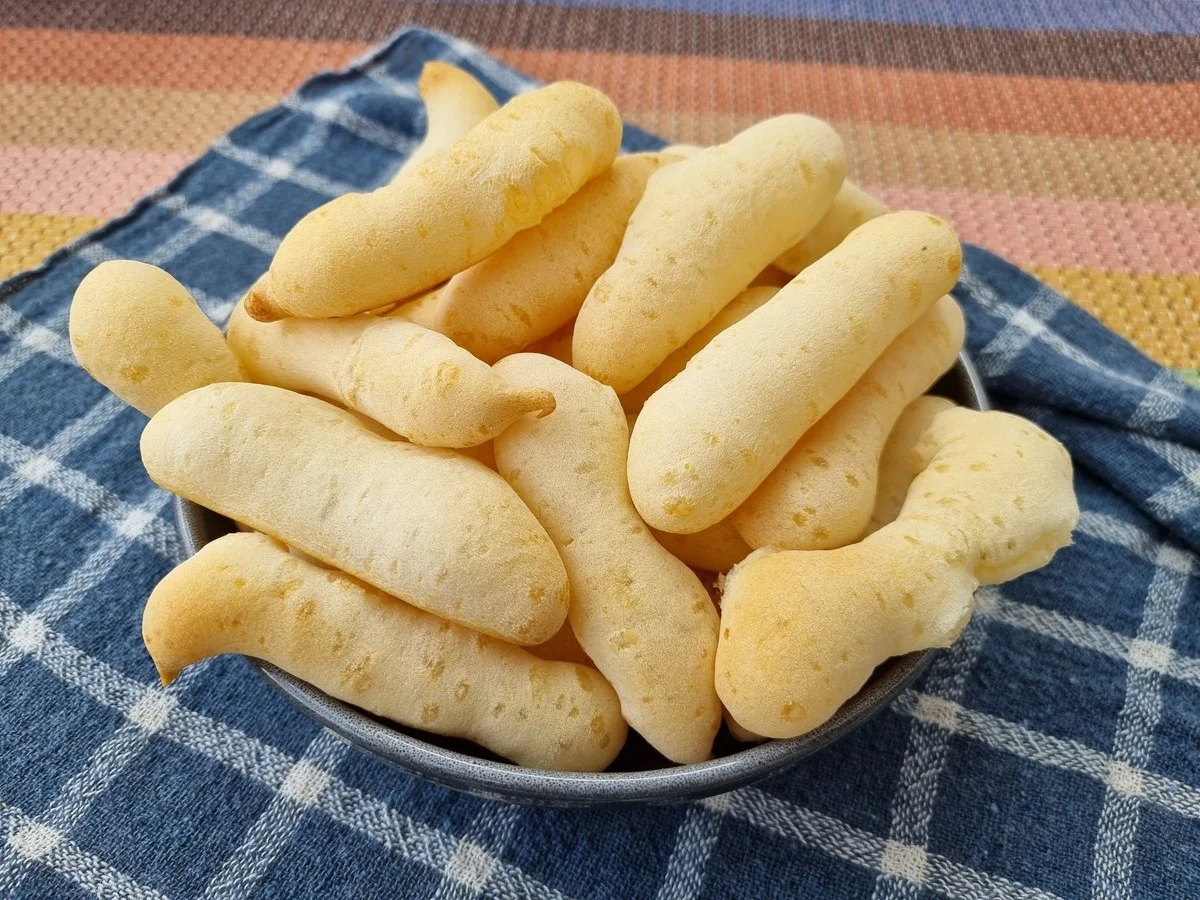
454	104
737	309
557	345
536	283
138	332
821	495
706	226
432	527
244	593
362	251
563	647
802	630
419	309
642	616
706	439
717	548
414	381
851	207
899	463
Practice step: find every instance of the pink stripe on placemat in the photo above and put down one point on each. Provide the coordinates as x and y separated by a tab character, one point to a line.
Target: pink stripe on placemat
80	181
1150	238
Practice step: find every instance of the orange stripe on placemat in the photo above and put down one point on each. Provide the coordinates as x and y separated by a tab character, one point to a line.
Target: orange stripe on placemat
121	118
695	84
1095	168
25	239
1160	314
1053	231
81	181
171	61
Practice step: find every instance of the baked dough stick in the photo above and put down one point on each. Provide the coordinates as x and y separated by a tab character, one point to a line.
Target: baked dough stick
734	311
706	226
138	332
362	251
414	381
432	527
802	630
822	493
711	435
642	616
454	104
851	207
901	460
244	593
536	282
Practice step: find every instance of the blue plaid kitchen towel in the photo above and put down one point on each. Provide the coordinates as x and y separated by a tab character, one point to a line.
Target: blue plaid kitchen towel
1054	751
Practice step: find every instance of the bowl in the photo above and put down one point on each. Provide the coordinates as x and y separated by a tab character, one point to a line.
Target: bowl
639	774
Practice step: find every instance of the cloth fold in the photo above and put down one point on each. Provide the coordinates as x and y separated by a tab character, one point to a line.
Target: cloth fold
1052	751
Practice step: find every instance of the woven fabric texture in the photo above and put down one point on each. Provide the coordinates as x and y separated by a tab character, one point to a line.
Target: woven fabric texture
1067	140
1052	752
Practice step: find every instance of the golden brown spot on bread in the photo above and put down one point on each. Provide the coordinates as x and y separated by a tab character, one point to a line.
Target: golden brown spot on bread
135	373
820	534
358	676
942	468
497	710
597	724
817	460
979	467
306	610
1019	502
430	713
584	677
851	479
792	710
908	600
799	519
678	506
435	667
461	690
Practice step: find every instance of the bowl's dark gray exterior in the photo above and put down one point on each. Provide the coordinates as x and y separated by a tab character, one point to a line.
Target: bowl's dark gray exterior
649	779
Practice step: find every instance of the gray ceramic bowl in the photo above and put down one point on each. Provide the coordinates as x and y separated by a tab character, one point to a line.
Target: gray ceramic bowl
639	774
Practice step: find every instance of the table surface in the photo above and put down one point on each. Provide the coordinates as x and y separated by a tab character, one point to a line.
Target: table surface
1074	153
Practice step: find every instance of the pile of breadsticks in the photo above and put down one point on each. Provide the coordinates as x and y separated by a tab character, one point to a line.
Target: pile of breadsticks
491	429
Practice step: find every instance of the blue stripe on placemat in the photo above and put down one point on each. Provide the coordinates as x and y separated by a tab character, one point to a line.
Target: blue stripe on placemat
1051	752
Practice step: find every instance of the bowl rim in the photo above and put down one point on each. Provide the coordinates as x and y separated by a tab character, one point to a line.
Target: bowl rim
497	780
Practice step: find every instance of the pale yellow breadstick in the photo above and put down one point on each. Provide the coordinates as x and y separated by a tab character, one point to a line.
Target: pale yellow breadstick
900	462
802	630
684	150
717	548
454	104
414	381
535	283
419	309
557	345
642	616
362	251
563	647
244	593
851	207
706	226
737	309
138	332
707	438
738	733
432	527
822	493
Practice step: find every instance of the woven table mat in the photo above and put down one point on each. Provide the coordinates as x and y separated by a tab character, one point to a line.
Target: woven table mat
1067	142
